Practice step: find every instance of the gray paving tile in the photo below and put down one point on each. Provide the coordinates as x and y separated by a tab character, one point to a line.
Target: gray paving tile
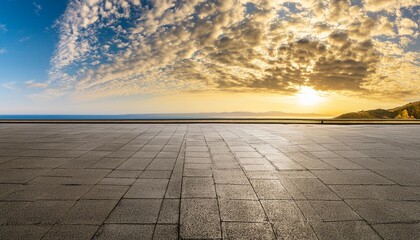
197	148
166	232
72	176
135	163
145	154
300	230
147	188
334	211
151	174
350	177
18	232
224	157
258	167
247	154
50	153
282	210
125	231
197	172
241	211
198	160
200	219
288	221
308	211
198	188
124	174
351	153
40	212
239	230
295	174
300	173
270	189
337	146
324	154
242	149
398	231
19	175
135	211
162	164
227	166
197	154
413	189
169	213
293	190
108	163
252	161
372	163
79	163
35	162
390	192
8	209
168	154
230	177
402	176
199	166
268	175
122	153
93	212
341	163
235	192
26	192
308	161
65	192
312	188
174	186
117	181
351	230
5	159
380	211
71	232
287	165
106	192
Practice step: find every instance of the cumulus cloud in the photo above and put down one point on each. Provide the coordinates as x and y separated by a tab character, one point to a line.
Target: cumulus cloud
379	5
119	47
408	27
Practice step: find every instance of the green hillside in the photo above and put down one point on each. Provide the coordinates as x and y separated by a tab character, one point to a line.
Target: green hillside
408	111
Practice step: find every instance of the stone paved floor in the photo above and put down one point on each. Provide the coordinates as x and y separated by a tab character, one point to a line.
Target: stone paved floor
209	181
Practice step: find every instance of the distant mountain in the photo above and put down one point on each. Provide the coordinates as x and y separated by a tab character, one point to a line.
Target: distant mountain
408	111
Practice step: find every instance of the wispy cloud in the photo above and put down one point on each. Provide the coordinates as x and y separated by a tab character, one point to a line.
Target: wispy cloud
35	84
37	8
24	39
236	45
9	85
3	51
3	28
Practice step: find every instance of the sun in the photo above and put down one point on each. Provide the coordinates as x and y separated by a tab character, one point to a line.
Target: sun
308	96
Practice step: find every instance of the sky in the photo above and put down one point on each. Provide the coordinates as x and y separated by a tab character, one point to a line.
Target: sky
182	56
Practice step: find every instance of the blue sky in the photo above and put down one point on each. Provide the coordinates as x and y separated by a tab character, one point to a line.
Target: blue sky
138	56
27	40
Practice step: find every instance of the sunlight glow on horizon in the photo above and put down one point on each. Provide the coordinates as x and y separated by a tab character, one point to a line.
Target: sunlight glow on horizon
309	96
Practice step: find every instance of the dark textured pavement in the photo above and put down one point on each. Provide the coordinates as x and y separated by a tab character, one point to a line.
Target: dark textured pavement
209	181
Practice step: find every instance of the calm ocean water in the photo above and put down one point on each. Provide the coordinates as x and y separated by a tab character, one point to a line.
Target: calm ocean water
87	117
159	116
